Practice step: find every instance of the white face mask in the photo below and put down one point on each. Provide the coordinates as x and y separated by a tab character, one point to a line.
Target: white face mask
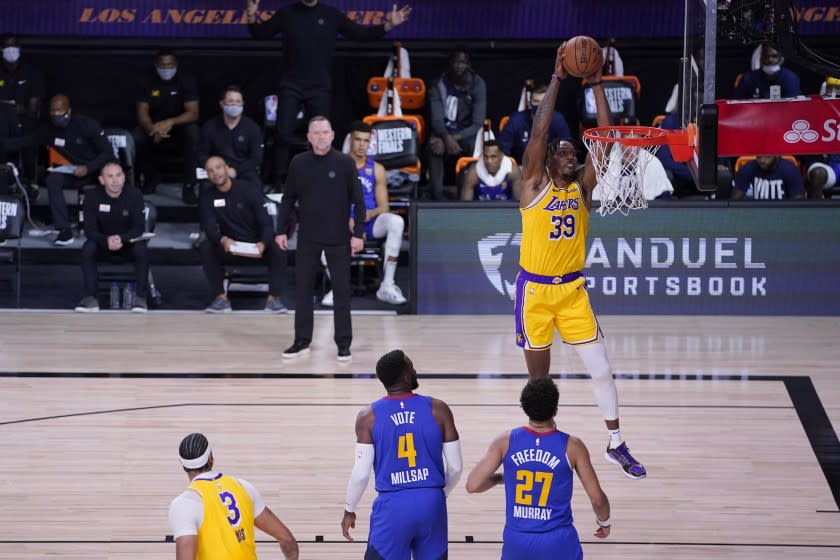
771	68
233	111
166	74
11	54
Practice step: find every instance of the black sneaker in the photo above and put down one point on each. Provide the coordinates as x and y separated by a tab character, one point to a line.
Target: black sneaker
299	348
344	354
188	195
65	237
88	305
140	305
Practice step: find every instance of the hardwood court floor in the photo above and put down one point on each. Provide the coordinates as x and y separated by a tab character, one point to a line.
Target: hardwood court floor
711	405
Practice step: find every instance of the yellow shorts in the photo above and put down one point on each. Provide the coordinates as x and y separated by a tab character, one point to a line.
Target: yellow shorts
543	305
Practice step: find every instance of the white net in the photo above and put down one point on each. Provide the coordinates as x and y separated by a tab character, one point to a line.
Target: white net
620	168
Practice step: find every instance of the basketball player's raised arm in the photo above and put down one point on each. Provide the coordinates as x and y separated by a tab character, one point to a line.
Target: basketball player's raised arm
361	470
269	523
451	443
533	160
579	460
484	476
604	114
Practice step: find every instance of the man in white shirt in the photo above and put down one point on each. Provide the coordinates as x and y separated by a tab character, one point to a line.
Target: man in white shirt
215	517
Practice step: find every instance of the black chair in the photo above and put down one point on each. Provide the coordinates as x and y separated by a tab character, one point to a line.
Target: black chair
120	269
124	150
371	257
12	216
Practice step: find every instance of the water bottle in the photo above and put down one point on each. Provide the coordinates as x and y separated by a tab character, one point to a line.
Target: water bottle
115	295
128	296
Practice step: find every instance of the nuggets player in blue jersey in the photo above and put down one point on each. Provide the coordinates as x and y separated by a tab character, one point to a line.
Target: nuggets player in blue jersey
538	463
494	176
214	518
379	221
550	288
405	438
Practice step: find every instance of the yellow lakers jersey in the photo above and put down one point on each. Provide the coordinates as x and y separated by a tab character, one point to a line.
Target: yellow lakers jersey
227	530
554	229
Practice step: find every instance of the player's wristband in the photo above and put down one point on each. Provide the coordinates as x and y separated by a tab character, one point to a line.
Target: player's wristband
605	523
555	77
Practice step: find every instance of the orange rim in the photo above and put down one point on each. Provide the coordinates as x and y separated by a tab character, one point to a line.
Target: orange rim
639	136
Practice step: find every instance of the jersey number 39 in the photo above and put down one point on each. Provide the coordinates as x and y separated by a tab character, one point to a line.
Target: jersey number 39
564	226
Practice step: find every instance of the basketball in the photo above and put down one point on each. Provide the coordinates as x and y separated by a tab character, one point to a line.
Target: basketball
582	56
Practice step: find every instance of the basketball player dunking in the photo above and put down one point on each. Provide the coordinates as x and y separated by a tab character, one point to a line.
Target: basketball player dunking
550	288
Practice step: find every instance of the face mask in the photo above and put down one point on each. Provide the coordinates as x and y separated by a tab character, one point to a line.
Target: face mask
532	110
233	111
11	54
60	120
166	74
771	68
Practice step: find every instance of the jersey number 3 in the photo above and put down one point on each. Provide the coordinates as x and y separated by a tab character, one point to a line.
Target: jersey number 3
229	501
564	226
405	449
526	486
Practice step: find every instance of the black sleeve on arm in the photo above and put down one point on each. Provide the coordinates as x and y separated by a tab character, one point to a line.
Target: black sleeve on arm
358	199
254	137
349	29
102	145
436	110
92	230
270	28
290	196
138	217
190	88
479	108
207	217
257	201
204	143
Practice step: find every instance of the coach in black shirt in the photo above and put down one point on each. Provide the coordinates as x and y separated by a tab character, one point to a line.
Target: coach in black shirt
167	111
76	139
231	211
309	31
324	183
234	137
114	216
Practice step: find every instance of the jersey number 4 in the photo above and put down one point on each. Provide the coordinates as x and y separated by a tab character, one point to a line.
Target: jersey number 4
564	226
405	449
525	488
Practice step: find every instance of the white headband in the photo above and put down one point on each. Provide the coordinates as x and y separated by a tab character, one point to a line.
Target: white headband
198	462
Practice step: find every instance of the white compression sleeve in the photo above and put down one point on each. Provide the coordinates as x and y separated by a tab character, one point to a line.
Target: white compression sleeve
594	357
390	226
454	463
360	475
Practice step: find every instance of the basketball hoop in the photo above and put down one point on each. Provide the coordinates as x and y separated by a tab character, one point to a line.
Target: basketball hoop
620	155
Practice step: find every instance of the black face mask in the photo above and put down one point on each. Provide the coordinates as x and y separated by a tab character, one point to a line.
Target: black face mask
60	121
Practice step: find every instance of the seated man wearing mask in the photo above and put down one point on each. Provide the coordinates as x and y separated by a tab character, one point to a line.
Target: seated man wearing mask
167	111
233	136
515	135
771	81
80	143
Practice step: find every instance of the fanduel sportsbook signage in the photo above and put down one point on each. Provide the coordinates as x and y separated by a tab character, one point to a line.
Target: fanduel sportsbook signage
430	19
679	260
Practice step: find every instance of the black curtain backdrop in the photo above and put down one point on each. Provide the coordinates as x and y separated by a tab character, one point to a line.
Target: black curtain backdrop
101	76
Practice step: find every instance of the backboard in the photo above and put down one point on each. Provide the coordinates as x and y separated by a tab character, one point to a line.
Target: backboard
697	88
